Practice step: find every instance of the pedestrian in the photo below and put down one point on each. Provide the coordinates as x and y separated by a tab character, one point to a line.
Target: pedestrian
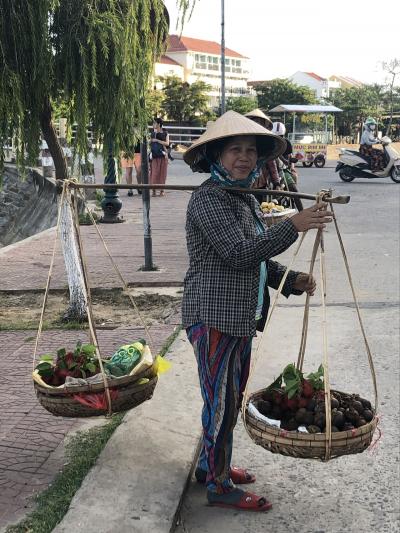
286	164
128	164
226	295
269	175
159	145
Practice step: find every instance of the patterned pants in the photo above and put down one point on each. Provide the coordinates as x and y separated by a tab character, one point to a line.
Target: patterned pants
375	156
223	363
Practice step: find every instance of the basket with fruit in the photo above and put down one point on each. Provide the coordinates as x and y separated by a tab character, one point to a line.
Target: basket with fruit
273	212
291	417
299	415
72	383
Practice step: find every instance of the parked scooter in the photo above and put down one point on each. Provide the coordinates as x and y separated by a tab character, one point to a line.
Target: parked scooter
353	165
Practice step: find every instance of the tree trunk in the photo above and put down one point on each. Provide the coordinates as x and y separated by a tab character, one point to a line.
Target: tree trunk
77	309
49	134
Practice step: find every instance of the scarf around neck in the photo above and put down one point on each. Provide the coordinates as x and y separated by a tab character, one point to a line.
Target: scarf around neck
220	175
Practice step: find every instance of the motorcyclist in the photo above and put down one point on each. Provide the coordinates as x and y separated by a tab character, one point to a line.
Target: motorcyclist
286	164
368	139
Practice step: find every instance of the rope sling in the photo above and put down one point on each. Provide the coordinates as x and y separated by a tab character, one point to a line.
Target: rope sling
71	200
258	431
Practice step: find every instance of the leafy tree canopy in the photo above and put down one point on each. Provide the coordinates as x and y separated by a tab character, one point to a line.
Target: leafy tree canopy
357	104
241	104
184	102
282	91
96	55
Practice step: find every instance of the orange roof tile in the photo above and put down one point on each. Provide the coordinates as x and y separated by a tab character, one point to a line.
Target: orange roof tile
165	60
315	76
178	44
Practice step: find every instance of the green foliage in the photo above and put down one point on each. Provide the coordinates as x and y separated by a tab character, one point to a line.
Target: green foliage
357	104
184	102
281	91
241	104
96	56
154	103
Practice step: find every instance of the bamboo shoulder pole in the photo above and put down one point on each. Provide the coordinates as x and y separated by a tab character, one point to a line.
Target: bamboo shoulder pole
326	198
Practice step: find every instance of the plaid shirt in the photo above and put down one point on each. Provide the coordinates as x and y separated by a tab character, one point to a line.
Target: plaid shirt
225	252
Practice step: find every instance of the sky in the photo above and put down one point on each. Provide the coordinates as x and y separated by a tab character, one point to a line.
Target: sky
349	38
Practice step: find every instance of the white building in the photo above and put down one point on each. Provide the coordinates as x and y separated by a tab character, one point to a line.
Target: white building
201	60
165	67
319	85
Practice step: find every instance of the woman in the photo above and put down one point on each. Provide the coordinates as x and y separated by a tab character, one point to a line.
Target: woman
287	166
269	175
226	286
159	155
128	165
367	149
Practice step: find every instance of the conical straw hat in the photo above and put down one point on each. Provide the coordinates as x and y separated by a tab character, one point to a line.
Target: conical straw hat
232	124
259	114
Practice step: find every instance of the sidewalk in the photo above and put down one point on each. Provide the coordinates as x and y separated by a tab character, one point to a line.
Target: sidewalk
24	266
31	440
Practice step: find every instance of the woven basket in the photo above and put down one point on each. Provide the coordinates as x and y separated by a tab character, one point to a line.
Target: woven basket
130	394
307	445
274	218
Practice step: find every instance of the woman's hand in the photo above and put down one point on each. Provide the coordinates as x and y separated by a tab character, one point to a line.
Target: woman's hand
305	283
315	217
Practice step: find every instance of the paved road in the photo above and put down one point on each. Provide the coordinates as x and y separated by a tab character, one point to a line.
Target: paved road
357	494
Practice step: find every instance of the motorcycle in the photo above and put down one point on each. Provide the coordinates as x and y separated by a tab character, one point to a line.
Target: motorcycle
353	165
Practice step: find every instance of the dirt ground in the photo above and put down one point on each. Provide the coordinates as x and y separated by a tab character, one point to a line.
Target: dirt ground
111	308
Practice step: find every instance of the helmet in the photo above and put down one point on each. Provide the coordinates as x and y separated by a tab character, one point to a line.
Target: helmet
278	128
370	123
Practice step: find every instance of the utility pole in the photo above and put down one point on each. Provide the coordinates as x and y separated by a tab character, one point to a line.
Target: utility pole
148	243
222	57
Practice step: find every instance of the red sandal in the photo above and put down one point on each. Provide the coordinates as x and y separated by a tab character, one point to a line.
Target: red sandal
238	499
239	476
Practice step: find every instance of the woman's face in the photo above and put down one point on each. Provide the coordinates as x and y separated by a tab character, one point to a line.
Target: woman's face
239	156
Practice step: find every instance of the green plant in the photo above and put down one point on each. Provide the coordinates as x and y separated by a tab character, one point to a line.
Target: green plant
99	197
86	219
81	363
292	382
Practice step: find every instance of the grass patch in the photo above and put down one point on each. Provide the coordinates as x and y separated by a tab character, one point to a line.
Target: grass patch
169	341
82	452
19	326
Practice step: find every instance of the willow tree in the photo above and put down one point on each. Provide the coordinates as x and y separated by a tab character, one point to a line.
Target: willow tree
98	57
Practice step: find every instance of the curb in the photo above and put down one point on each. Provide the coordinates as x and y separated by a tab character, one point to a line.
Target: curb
141	478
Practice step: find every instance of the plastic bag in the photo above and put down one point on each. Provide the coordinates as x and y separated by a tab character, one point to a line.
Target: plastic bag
161	365
125	359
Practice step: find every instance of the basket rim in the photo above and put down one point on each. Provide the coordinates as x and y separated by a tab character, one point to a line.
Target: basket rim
114	383
274	432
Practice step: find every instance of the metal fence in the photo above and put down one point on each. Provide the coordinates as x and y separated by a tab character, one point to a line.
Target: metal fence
184	135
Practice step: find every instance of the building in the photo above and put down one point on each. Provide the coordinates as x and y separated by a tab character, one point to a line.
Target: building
166	66
344	82
319	85
323	87
201	60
